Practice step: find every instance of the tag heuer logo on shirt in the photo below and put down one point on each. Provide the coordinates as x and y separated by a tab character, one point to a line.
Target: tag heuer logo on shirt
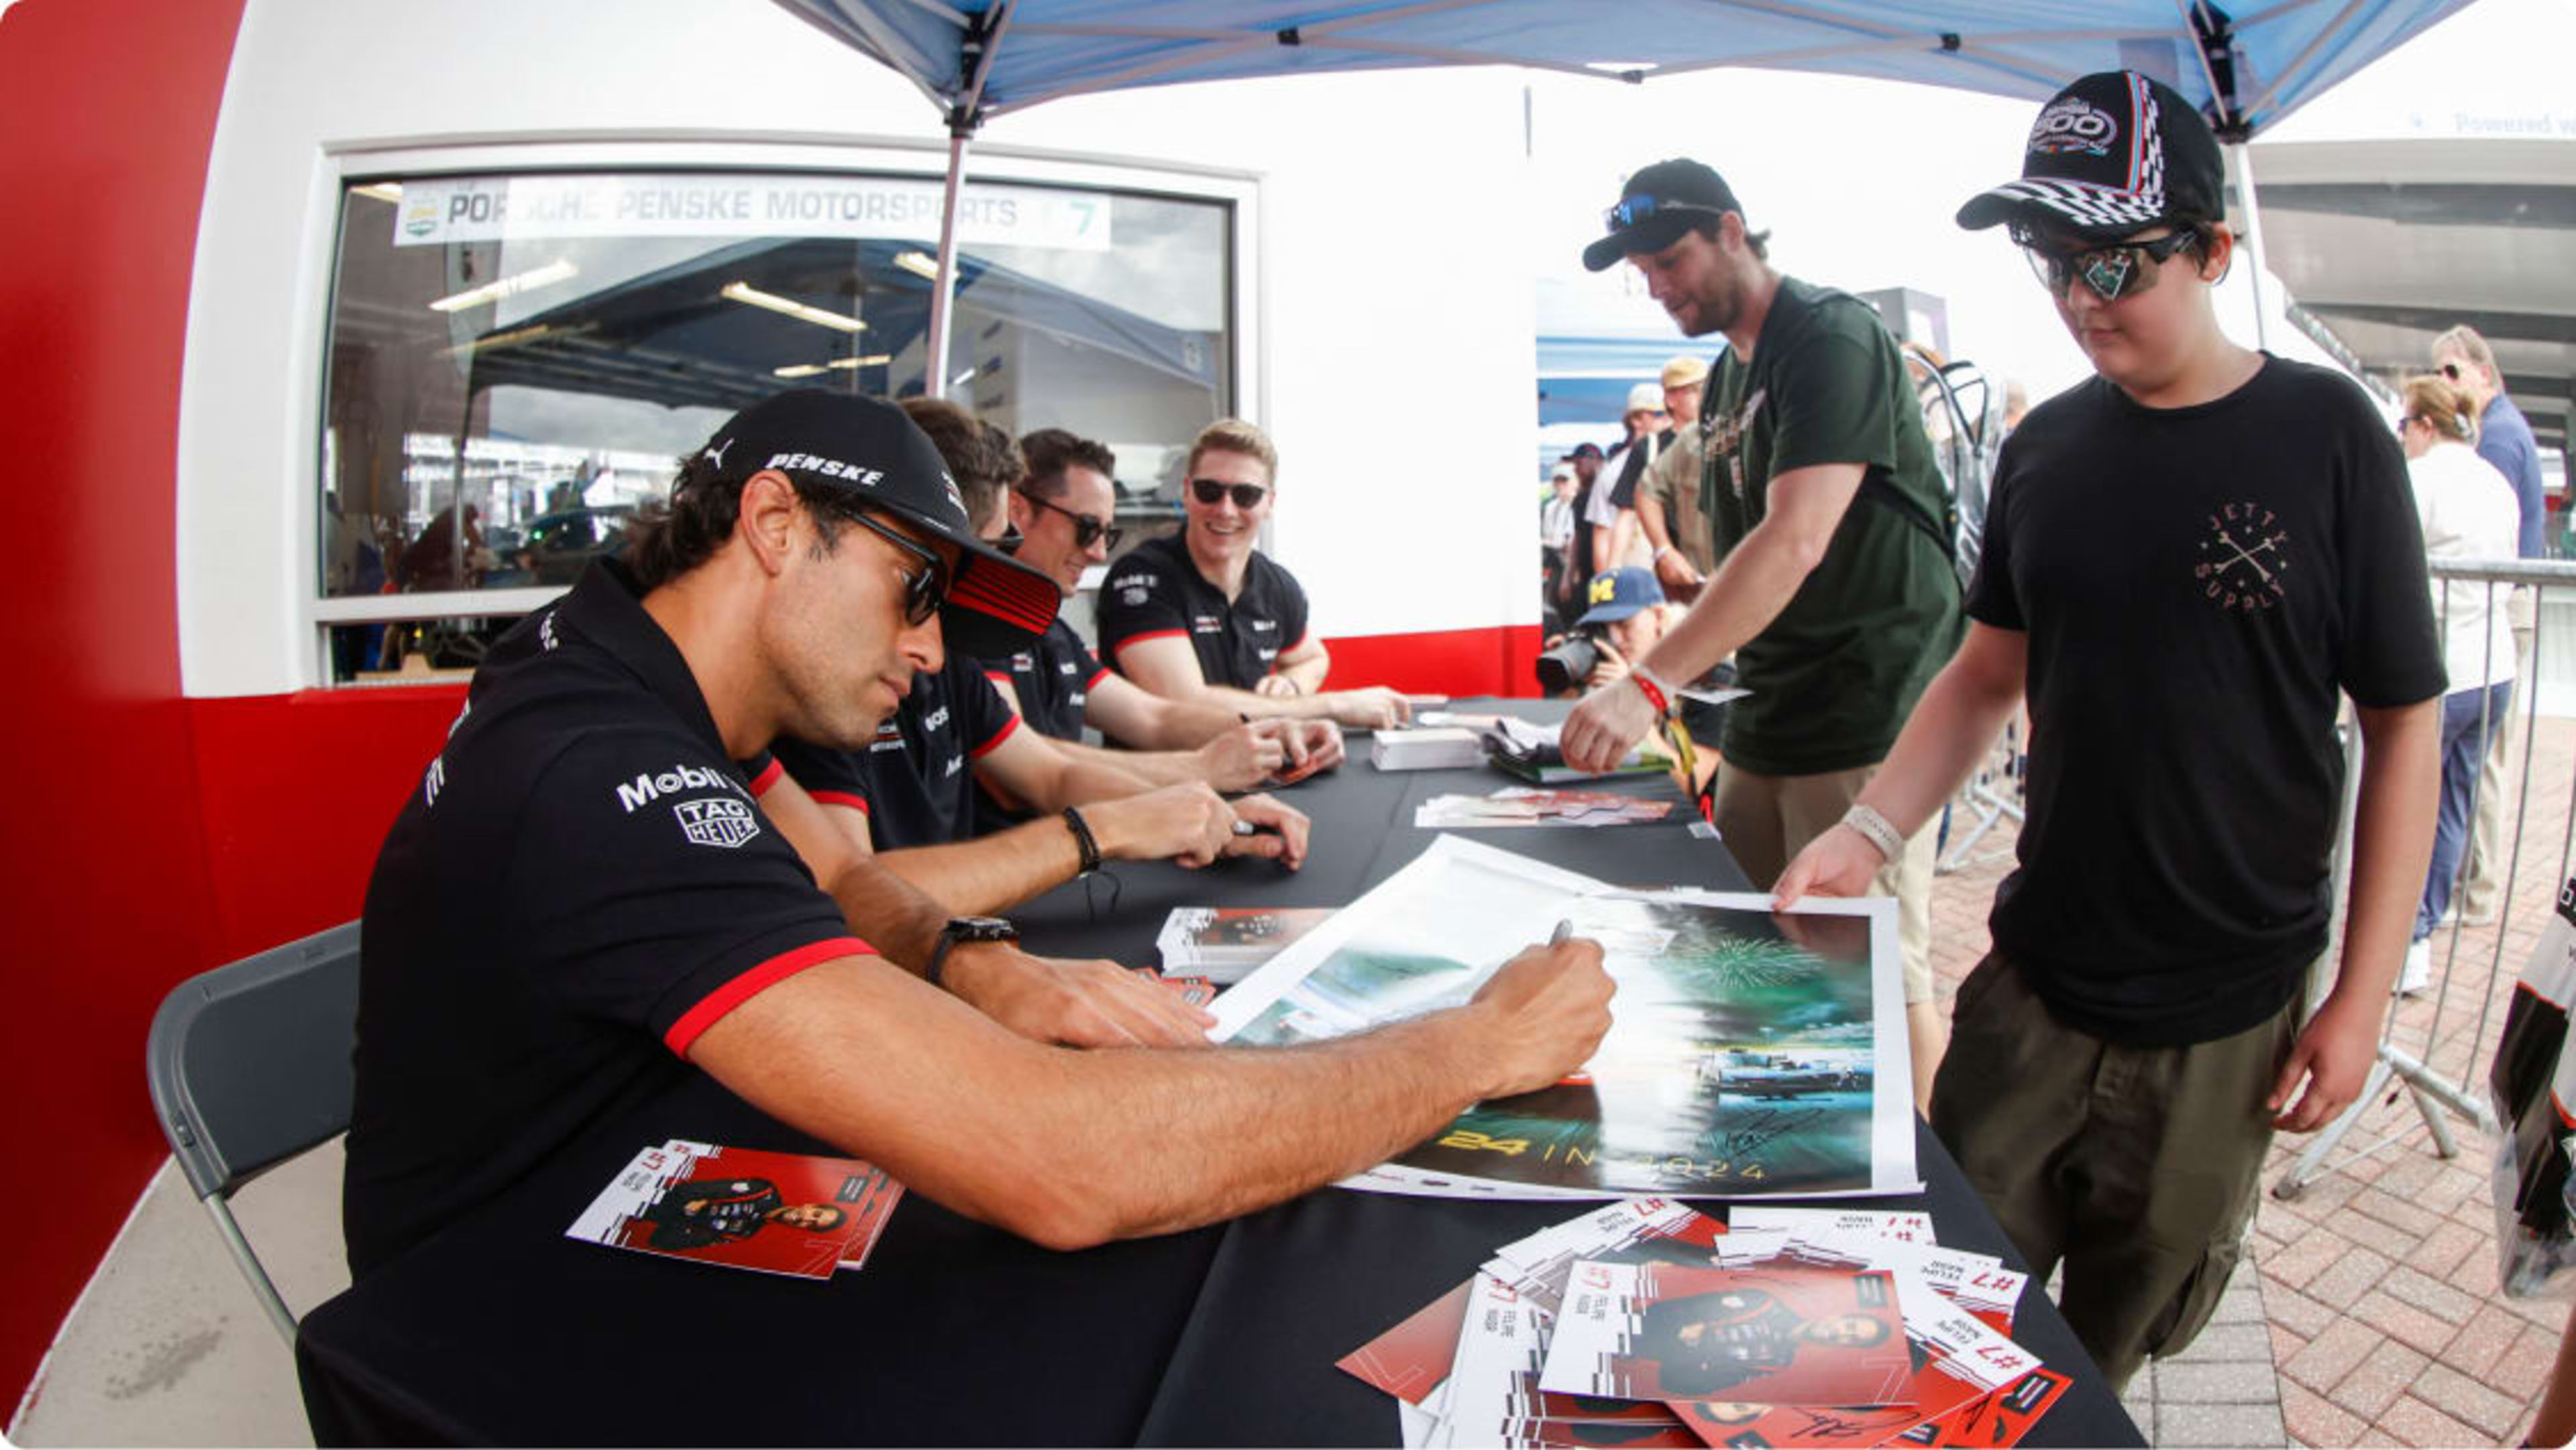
716	821
1207	624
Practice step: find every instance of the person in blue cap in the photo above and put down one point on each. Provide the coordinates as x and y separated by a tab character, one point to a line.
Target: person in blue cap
1627	611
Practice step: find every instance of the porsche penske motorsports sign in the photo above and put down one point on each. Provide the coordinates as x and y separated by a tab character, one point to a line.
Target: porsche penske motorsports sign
447	209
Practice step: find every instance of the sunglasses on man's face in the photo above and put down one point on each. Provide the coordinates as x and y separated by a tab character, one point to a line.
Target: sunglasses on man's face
1247	496
1087	530
2110	272
923	592
2451	370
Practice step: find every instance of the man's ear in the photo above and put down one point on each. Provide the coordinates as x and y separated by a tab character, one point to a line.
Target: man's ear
770	520
1023	514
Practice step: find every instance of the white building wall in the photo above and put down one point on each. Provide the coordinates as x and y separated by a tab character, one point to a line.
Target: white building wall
1389	311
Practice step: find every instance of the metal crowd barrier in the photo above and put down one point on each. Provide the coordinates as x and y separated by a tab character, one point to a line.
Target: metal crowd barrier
2469	977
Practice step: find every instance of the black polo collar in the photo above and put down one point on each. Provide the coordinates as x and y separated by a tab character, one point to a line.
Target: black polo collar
606	608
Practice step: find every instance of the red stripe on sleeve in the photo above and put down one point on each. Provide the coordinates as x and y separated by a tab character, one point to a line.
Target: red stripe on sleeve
857	803
1120	648
713	1006
1009	727
767	778
1098	673
999	677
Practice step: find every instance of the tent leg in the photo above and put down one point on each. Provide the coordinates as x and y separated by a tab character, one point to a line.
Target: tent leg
2253	239
943	292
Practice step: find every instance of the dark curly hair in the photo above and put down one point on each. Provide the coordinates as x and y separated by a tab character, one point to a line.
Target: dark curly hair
669	538
1050	451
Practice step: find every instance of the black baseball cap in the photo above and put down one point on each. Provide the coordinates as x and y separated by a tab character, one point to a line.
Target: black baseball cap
1656	206
2113	152
1583	450
867	449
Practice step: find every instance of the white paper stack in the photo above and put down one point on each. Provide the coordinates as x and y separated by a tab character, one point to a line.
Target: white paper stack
1451	747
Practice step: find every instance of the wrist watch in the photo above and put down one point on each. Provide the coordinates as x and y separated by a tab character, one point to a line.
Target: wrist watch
962	929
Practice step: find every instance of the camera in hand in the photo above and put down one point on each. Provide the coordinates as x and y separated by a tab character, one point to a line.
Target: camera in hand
1567	664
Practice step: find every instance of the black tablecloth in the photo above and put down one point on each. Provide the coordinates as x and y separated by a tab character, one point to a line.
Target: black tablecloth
502	1330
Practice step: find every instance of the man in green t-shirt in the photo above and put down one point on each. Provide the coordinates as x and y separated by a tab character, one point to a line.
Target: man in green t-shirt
1834	585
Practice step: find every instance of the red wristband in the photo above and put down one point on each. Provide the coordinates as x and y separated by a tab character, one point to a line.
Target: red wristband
1654	693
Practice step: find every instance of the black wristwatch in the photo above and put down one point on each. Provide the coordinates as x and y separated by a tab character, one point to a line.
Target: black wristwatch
966	929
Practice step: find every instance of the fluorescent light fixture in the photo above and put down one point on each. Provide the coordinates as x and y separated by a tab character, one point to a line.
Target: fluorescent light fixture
790	307
381	191
919	264
962	379
1620	67
512	338
810	370
510	286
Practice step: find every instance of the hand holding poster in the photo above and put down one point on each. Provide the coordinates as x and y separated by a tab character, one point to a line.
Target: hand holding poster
1751	1052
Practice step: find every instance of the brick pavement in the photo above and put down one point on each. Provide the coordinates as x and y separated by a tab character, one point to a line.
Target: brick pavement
2376	1287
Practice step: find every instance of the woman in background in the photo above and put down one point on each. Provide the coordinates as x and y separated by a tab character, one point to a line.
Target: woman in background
2468	511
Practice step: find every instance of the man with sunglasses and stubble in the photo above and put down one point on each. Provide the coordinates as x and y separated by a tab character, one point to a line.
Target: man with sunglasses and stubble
2189	559
1063	508
1833	585
1205	616
582	905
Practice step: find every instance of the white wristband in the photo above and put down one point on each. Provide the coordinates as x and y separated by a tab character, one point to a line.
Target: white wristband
1875	829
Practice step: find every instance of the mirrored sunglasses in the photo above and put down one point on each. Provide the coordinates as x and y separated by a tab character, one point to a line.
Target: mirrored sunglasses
2110	272
1634	209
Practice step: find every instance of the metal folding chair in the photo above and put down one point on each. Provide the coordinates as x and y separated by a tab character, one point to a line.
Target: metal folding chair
249	1066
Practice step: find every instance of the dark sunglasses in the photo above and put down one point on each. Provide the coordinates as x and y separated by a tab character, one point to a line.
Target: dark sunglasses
1634	209
1247	496
924	592
2451	370
1087	530
2120	269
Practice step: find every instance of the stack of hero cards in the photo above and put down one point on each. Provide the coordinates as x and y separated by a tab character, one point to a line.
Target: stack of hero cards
1646	1323
779	1213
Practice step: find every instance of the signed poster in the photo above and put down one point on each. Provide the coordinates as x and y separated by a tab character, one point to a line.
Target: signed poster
1752	1052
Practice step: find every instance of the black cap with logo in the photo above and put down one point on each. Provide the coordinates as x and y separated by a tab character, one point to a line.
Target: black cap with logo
868	449
1656	206
2110	154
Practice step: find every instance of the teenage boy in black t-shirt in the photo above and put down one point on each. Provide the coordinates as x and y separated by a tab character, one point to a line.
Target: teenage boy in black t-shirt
2187	559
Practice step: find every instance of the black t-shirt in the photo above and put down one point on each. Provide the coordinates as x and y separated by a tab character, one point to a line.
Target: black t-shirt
916	780
1053	679
580	885
1156	590
1633	463
2196	585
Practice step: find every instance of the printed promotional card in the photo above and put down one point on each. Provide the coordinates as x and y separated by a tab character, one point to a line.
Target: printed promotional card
780	1213
1773	1336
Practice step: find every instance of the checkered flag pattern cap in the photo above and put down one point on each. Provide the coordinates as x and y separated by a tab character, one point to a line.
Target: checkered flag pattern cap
2111	153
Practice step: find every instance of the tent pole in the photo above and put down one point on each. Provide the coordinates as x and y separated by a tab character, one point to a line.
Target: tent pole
2244	154
943	291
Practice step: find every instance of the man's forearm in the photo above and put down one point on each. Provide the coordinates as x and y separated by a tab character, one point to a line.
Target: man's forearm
1076	1148
890	911
1754	582
2392	843
1152	722
1154	767
989	874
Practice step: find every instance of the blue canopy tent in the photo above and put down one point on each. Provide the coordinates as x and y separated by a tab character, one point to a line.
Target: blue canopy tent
976	59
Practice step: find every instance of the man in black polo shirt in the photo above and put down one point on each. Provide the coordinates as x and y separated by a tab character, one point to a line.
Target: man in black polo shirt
581	903
1204	615
936	788
1063	508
